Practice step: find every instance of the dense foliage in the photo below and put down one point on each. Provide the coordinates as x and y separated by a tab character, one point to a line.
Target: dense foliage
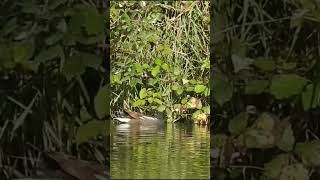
50	74
265	90
160	58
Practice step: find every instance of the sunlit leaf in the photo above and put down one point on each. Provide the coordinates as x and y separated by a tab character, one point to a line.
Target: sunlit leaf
199	88
143	93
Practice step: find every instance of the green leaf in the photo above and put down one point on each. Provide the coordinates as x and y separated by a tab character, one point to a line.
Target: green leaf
176	70
273	167
284	86
223	89
238	123
50	53
175	86
266	122
158	101
287	140
155	71
101	102
93	21
240	63
206	109
256	86
76	65
199	88
165	66
138	68
161	108
258	138
158	62
23	51
180	90
90	130
139	102
143	93
265	64
309	152
294	171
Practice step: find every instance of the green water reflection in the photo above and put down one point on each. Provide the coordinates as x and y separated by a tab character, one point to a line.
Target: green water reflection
170	152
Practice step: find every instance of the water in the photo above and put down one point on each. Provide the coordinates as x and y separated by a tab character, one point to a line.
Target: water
170	152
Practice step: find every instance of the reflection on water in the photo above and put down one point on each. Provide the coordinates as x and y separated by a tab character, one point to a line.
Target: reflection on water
169	152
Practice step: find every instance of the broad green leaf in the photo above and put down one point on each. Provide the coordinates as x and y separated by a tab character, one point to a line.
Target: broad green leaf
295	171
139	102
309	152
158	62
265	64
23	51
206	109
287	139
165	66
199	88
175	86
91	130
161	108
145	66
284	86
240	63
76	65
152	81
158	101
116	78
143	93
266	122
139	69
101	102
222	88
93	21
155	71
273	167
180	90
256	86
258	138
176	70
50	53
238	123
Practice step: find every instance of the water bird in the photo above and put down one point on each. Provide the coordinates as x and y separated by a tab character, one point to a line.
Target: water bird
140	119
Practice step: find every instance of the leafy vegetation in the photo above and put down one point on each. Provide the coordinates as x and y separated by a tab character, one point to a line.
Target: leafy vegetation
160	58
50	74
265	83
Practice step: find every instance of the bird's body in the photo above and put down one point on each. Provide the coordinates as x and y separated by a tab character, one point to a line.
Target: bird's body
138	118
